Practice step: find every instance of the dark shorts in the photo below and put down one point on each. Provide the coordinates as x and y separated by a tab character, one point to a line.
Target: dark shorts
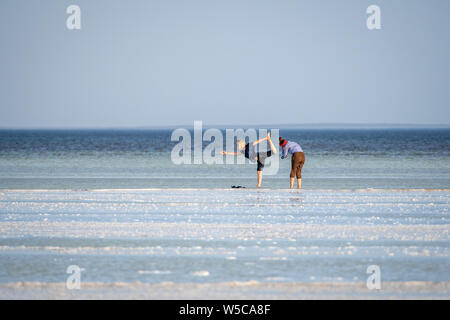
297	162
261	159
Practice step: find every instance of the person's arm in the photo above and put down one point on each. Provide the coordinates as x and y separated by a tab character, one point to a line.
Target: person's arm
232	153
259	141
284	153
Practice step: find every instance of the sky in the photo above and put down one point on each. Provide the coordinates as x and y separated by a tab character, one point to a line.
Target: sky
143	63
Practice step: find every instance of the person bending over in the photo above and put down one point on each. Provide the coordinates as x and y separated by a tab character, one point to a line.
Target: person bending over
297	160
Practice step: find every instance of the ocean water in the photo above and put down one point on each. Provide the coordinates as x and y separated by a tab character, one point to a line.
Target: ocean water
112	203
335	159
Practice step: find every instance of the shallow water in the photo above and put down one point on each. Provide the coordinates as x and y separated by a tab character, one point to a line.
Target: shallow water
223	235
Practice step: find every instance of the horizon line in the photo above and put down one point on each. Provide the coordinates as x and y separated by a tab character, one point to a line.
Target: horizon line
322	125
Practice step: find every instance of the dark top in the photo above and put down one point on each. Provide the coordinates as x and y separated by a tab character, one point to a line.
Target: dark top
249	152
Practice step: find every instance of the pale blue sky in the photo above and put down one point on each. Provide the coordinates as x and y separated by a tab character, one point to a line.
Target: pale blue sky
170	62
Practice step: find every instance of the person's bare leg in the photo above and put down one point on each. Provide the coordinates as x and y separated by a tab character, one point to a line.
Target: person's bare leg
299	183
272	147
259	178
292	183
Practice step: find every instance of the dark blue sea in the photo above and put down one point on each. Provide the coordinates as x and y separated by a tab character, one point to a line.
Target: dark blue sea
335	159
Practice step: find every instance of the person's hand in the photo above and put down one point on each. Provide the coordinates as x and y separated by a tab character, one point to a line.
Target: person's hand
223	152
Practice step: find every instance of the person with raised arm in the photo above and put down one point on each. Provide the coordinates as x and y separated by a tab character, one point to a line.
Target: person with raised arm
248	150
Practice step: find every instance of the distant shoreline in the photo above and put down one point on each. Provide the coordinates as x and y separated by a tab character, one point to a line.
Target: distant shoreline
232	126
